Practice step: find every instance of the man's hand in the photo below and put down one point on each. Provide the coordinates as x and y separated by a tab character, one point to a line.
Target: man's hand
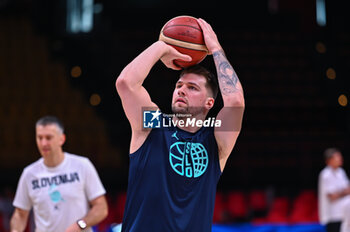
347	190
73	228
338	195
170	54
210	38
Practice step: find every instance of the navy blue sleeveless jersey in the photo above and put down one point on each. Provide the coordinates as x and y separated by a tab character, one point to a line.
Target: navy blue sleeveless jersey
172	182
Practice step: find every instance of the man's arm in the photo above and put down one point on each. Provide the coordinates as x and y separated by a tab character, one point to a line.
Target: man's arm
19	220
340	194
232	94
97	212
133	95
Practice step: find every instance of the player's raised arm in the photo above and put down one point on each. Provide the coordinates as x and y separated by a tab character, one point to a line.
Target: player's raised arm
133	95
232	94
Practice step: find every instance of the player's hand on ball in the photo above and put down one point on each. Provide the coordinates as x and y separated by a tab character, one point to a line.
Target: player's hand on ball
172	54
210	38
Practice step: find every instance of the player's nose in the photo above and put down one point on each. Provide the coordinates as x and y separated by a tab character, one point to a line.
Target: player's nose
181	91
43	142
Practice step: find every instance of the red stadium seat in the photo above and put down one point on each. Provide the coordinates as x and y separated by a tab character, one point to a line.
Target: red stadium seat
110	219
257	202
219	209
279	210
237	206
304	208
119	207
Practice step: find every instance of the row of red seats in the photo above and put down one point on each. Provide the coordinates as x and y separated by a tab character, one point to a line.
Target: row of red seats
236	206
116	208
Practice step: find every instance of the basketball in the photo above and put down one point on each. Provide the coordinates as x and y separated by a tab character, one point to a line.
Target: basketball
186	36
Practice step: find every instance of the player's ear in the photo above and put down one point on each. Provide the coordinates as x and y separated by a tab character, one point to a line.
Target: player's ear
209	103
62	139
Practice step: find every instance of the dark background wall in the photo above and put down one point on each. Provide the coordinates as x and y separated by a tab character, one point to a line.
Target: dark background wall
281	55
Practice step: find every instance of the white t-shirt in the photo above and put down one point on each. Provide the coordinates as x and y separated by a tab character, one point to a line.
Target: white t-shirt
345	226
60	195
331	181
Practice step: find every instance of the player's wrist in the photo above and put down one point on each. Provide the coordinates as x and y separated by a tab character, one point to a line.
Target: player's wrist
162	48
215	49
159	43
81	223
162	45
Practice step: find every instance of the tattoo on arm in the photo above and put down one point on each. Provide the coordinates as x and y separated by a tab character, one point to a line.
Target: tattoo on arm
227	77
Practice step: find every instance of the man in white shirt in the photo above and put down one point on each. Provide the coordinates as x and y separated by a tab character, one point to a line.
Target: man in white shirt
63	189
333	191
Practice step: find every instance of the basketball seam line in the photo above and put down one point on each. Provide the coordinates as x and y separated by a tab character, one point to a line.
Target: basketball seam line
197	47
182	40
185	26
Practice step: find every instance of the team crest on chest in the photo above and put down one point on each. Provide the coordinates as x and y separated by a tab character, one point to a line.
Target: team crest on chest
188	159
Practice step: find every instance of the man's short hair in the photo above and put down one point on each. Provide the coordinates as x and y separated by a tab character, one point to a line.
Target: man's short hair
212	82
49	120
329	152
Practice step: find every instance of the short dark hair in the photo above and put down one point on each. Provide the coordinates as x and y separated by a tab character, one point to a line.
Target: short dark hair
49	120
329	152
212	82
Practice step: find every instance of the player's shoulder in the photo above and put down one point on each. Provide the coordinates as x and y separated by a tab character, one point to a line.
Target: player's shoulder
325	172
77	159
328	172
33	168
342	171
74	156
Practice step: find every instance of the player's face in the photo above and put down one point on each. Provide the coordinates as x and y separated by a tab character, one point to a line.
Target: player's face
191	95
49	139
336	160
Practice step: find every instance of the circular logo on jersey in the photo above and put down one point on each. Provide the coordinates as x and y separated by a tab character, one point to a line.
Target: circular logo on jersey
55	195
188	159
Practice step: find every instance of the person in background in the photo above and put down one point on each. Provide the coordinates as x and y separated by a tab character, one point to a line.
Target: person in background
63	189
333	191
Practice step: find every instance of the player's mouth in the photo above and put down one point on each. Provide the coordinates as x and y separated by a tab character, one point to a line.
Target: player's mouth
181	100
45	150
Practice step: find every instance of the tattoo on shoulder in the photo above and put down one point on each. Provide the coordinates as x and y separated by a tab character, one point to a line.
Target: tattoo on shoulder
227	76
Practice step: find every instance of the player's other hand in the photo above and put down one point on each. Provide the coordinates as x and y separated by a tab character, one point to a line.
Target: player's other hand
210	38
170	54
347	191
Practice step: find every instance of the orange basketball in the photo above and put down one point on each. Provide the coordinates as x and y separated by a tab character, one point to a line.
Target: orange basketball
186	36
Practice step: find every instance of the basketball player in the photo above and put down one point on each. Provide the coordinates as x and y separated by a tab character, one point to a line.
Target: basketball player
333	190
174	170
63	189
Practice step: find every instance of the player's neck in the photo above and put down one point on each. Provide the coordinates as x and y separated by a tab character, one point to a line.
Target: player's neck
54	159
334	167
192	128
